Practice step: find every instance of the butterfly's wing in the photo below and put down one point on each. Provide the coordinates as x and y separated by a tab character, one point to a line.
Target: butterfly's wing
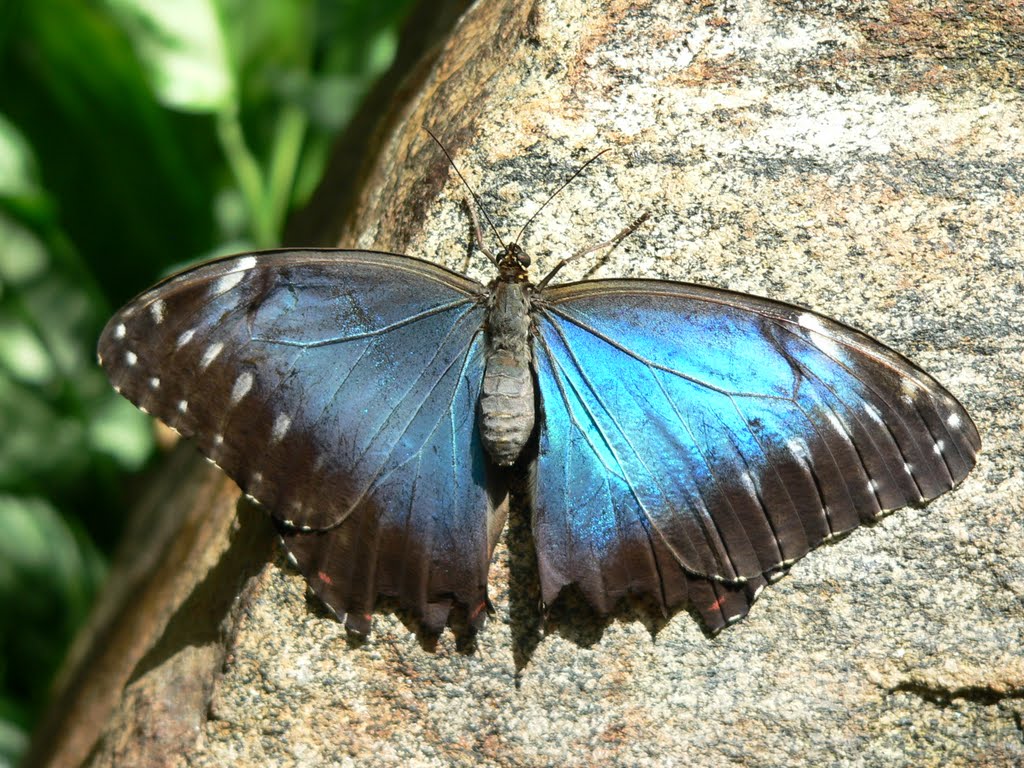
691	433
338	389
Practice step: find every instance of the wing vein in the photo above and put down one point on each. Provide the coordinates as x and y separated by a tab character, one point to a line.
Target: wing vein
377	331
869	387
380	477
705	508
460	320
561	381
636	453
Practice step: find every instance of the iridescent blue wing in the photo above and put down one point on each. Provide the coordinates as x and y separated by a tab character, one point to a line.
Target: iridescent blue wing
695	434
339	389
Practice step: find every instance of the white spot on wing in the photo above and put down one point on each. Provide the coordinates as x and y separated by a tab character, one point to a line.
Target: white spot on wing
186	337
954	421
871	411
218	439
182	406
748	483
229	281
909	389
818	333
233	278
242	386
281	425
157	309
154	383
120	331
836	423
210	354
939	445
131	358
257	478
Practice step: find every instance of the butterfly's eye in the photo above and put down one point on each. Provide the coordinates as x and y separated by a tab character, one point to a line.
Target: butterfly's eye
519	255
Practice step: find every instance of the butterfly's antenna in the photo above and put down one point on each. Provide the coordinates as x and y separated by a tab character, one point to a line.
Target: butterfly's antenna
563	185
476	197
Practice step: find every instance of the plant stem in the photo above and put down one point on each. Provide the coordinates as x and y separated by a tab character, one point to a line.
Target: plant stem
248	177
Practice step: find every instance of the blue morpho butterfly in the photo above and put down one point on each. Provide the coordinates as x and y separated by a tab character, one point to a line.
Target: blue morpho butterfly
684	444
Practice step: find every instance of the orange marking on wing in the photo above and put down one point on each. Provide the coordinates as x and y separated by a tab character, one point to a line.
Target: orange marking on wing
476	611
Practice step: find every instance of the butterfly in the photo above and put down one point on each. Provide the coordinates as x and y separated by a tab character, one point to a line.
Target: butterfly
682	444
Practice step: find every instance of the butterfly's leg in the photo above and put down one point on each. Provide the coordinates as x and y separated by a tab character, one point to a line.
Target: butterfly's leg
609	244
477	233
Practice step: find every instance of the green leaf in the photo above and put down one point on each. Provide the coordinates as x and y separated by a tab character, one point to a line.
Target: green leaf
39	442
51	391
23	354
112	170
42	554
49	576
183	48
17	167
13	742
24	255
35	542
119	430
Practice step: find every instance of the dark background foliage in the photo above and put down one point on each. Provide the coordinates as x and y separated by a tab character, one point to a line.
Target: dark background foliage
136	136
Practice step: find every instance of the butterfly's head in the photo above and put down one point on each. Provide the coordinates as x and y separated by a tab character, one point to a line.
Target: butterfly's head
513	263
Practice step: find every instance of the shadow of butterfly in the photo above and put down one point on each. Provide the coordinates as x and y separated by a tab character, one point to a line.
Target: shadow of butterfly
683	444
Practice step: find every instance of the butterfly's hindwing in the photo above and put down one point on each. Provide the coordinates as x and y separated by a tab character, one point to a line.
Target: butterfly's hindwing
339	389
687	429
426	532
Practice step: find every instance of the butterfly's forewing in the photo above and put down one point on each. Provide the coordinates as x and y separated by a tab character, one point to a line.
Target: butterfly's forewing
339	389
689	431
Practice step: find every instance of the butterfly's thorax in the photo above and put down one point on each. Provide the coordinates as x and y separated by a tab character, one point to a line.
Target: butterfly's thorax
507	398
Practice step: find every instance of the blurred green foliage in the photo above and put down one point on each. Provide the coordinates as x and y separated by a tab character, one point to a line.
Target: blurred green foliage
135	136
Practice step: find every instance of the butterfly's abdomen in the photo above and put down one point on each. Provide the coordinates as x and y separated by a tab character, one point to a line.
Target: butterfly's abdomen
507	397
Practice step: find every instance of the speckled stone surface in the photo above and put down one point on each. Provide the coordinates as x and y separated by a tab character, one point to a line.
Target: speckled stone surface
863	159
